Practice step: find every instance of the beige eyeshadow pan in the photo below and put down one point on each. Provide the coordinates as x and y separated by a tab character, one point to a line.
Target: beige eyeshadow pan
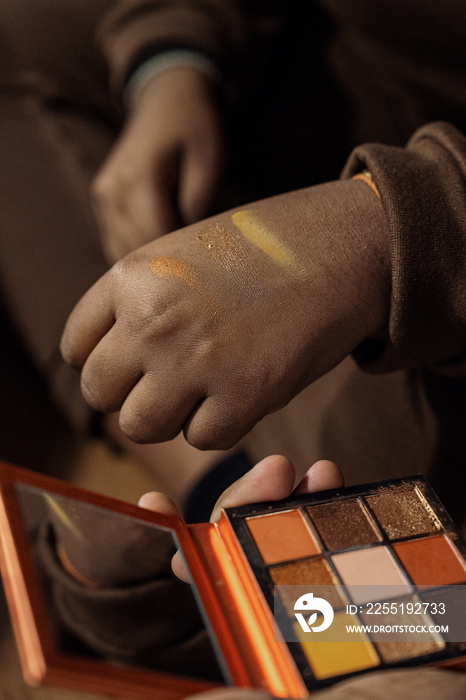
373	567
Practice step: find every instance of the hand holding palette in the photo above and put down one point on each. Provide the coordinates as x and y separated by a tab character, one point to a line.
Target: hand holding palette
386	555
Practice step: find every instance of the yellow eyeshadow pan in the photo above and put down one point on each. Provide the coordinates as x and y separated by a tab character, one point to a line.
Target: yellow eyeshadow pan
329	659
282	536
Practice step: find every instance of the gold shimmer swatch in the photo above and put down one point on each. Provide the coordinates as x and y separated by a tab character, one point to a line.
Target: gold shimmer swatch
254	230
222	244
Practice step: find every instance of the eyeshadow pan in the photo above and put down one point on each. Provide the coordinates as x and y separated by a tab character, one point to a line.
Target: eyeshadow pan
399	651
371	567
343	524
406	646
282	536
328	659
307	572
403	512
431	561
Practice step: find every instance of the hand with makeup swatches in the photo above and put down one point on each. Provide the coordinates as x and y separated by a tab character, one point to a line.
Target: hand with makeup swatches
210	328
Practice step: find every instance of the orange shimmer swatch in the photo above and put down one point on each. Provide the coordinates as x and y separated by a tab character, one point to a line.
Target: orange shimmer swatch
168	267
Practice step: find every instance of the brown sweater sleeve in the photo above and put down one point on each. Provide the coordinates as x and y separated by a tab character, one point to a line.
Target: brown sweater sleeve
224	31
155	624
423	192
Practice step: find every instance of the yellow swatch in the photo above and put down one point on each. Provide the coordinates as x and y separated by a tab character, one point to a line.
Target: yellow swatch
254	230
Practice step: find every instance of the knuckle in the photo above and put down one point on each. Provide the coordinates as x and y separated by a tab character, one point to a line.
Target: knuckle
137	427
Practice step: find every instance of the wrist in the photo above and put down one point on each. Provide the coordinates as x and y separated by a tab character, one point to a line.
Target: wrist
176	59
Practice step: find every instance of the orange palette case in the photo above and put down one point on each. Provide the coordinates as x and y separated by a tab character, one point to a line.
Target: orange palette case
389	536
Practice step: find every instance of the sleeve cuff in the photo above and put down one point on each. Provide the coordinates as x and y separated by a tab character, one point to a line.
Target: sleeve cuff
167	60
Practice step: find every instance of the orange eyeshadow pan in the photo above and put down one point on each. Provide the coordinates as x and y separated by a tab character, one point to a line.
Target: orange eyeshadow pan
282	536
431	561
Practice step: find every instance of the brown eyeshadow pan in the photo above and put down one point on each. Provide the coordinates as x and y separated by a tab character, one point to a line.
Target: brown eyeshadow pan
307	572
344	524
403	512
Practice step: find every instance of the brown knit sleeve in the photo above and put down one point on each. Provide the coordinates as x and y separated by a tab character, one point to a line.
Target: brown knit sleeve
233	34
423	191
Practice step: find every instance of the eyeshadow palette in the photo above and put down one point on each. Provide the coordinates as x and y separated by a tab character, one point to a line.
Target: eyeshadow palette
383	553
296	594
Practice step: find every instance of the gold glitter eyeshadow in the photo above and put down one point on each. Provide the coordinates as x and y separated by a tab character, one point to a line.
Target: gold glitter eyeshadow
343	524
407	646
223	245
403	512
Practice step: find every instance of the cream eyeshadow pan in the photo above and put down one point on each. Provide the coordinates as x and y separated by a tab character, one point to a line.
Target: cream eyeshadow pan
359	542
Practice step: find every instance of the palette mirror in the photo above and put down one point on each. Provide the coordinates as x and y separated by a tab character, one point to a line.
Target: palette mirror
65	562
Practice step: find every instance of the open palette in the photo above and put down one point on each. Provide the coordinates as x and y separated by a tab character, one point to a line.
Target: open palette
384	555
385	552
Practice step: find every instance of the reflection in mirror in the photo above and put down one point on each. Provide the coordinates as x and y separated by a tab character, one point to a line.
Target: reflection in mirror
108	586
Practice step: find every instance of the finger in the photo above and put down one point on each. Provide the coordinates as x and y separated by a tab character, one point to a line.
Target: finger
155	203
110	372
199	177
90	320
321	476
157	407
158	502
218	423
269	480
179	567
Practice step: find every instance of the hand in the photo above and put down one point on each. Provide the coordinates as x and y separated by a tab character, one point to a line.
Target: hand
164	169
270	480
211	327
